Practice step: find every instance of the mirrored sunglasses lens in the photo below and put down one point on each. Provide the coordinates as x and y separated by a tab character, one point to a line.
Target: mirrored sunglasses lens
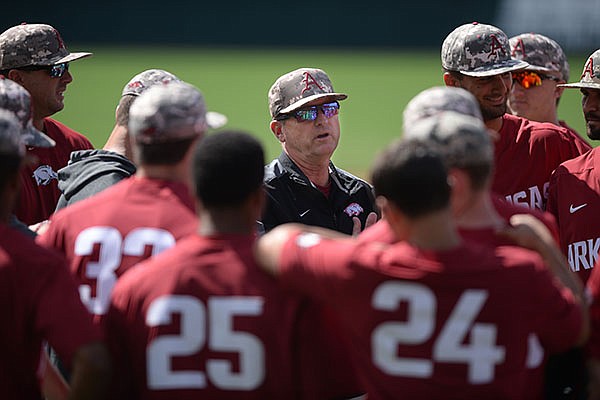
59	70
528	79
331	109
307	115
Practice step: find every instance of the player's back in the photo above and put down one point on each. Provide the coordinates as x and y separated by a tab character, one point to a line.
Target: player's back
104	235
447	325
38	302
202	321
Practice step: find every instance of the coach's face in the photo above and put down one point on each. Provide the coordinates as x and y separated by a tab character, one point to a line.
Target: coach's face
490	91
590	103
47	93
309	141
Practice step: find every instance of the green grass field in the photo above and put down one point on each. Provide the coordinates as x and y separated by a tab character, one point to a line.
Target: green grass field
235	82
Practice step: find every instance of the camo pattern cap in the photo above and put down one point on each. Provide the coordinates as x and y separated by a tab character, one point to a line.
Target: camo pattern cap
541	52
478	50
34	44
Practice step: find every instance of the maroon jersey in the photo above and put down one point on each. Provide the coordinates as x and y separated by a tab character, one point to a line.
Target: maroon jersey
381	231
581	145
203	321
574	199
104	235
39	181
525	155
593	293
38	301
429	325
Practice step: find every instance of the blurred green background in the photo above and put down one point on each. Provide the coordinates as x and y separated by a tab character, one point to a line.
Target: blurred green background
235	82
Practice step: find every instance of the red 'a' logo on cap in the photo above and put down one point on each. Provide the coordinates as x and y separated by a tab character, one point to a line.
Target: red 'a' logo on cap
589	68
496	45
309	80
61	44
519	47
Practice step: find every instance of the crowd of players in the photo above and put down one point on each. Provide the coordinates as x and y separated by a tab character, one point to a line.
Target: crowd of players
173	264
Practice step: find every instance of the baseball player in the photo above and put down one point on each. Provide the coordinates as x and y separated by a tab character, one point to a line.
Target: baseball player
574	192
429	317
35	56
234	332
477	57
39	301
535	93
14	98
302	184
473	199
141	216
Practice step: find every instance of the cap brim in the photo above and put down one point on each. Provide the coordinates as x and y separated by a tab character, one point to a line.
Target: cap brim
580	85
215	120
301	103
34	138
72	57
497	69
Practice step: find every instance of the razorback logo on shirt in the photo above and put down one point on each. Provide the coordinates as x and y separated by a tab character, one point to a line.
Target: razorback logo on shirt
531	198
44	174
354	210
583	254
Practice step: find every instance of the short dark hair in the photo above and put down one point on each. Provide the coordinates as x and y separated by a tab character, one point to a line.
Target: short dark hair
228	167
163	153
412	176
123	109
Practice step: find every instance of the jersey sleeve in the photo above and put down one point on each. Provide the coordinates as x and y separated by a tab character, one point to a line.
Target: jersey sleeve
558	316
316	266
593	295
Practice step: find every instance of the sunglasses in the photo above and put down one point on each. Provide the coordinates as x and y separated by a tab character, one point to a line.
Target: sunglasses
55	71
528	79
311	113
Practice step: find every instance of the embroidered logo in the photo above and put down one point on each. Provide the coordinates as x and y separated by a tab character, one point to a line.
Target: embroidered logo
588	69
496	45
519	47
308	81
354	210
575	209
44	174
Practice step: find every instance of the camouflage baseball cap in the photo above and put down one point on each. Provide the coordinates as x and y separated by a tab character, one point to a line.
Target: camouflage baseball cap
540	52
146	79
478	50
33	44
590	77
296	89
166	113
438	99
16	99
11	140
462	140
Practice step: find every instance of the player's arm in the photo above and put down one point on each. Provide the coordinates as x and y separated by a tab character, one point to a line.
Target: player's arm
54	386
269	247
90	378
529	232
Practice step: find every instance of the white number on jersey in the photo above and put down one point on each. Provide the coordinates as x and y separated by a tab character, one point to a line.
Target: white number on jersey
195	327
112	248
479	350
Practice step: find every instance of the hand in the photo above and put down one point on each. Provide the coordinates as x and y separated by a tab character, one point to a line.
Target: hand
371	219
526	231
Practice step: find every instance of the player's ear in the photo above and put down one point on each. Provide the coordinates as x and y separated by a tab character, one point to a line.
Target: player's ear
451	80
277	129
16	76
